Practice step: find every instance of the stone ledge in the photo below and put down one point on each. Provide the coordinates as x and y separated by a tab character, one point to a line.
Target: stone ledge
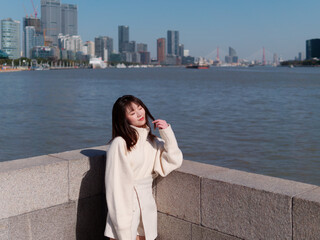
222	201
58	222
234	202
178	194
86	171
251	180
306	215
37	183
4	229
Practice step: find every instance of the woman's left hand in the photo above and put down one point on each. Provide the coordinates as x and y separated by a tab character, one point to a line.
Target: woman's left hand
161	124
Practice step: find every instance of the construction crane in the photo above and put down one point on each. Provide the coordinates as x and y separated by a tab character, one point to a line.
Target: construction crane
25	11
34	9
44	35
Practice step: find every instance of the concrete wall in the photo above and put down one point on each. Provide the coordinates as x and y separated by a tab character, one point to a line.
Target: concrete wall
61	196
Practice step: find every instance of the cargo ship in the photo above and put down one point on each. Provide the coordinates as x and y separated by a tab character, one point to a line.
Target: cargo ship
198	66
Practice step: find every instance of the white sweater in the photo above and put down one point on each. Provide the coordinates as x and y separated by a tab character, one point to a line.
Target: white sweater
146	159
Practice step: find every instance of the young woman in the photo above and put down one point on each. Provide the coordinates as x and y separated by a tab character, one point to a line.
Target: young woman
136	157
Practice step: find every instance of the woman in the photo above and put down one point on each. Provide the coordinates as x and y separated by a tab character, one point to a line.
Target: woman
134	159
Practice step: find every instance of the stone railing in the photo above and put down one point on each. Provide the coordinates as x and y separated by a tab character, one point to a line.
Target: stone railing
61	196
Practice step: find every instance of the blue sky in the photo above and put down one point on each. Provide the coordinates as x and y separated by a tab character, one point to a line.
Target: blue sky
280	26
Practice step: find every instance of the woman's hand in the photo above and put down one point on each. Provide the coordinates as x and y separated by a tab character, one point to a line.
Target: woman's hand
161	124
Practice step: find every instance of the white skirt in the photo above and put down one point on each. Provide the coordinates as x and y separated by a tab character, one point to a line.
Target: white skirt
144	218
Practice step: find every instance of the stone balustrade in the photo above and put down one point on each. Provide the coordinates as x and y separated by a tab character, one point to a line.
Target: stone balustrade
61	196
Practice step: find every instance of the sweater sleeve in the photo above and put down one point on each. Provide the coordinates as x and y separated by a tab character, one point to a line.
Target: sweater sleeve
119	188
169	156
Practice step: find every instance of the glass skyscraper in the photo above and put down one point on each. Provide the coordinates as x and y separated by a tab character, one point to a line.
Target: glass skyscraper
10	38
123	37
29	40
58	18
313	48
173	42
103	43
51	20
69	19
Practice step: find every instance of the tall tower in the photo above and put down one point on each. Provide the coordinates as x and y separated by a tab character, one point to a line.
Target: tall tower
161	50
180	50
264	57
123	37
313	48
29	34
173	42
69	19
10	38
232	58
29	40
101	45
51	19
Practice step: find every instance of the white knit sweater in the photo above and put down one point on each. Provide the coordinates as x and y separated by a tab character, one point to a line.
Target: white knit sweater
147	158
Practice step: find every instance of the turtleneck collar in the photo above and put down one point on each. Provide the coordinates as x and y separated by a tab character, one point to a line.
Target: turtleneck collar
142	131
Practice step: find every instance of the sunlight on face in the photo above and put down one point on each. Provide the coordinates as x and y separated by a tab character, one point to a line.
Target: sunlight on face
136	115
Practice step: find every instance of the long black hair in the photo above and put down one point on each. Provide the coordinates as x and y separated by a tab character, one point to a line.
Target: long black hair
121	126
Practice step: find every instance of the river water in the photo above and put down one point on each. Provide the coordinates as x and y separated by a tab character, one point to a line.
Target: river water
262	119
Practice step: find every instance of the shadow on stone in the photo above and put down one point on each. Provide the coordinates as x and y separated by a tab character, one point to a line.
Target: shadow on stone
92	207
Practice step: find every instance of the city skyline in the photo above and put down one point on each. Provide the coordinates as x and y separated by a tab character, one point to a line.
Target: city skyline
248	26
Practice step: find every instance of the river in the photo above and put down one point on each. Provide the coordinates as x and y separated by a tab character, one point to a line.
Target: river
264	120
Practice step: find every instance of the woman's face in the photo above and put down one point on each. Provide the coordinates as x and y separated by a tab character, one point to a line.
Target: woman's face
136	115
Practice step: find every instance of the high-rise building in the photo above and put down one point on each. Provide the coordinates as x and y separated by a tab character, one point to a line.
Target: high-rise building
161	50
32	21
58	18
181	50
145	57
142	47
29	40
232	57
88	48
102	44
3	55
130	47
313	48
232	52
69	19
70	42
173	42
31	36
51	20
10	38
123	38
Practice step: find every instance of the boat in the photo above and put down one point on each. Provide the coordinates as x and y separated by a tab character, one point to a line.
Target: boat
98	63
198	66
201	64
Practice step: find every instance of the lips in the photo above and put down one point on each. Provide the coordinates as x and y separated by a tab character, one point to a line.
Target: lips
141	119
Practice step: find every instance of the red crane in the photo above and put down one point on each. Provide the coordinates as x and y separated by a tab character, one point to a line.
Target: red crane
34	9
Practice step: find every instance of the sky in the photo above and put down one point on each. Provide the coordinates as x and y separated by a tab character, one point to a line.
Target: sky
280	26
